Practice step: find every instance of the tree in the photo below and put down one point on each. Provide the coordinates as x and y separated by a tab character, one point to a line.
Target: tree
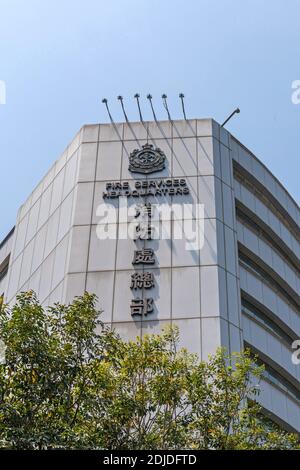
44	382
69	382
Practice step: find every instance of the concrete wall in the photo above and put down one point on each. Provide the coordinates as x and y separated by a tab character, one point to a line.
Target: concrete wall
269	235
58	254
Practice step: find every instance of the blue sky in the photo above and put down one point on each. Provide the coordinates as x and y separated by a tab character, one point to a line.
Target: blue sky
58	58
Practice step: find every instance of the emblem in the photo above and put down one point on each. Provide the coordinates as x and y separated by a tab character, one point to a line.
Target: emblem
147	160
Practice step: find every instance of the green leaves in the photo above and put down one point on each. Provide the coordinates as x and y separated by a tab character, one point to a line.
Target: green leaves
68	382
42	382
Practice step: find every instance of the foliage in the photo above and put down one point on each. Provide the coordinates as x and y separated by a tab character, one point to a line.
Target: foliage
69	382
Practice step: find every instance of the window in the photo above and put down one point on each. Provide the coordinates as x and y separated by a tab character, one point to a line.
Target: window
263	319
266	278
275	378
4	269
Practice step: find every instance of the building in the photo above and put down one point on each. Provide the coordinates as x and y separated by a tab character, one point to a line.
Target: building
241	288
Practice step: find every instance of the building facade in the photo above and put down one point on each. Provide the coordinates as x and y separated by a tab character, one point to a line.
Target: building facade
235	284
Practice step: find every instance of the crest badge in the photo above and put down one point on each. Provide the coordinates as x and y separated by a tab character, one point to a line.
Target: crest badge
146	160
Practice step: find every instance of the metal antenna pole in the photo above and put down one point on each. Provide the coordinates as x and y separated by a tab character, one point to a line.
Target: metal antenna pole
164	98
120	98
137	96
107	108
236	111
149	97
181	96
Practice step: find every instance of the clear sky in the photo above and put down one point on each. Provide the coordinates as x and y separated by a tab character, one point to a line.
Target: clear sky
58	58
